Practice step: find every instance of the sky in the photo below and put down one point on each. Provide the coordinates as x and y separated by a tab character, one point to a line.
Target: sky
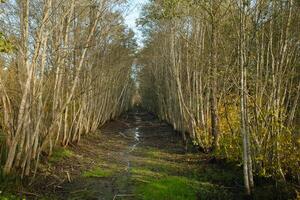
133	13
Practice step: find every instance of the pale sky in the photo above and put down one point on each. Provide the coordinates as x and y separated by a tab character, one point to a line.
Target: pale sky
134	10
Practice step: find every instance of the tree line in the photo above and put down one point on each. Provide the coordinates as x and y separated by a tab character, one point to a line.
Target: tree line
226	75
67	74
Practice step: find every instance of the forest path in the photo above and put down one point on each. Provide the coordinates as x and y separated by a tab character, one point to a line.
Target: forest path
136	157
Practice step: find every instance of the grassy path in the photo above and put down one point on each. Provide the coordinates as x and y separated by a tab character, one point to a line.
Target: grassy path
138	157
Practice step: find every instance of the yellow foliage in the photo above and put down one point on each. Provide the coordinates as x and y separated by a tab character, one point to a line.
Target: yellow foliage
229	124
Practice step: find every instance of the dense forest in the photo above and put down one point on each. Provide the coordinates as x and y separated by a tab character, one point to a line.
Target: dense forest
70	73
225	74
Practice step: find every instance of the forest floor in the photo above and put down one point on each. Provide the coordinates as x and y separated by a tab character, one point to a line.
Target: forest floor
139	157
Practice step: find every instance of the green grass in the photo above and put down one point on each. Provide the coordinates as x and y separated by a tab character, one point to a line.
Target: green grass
10	197
143	175
146	172
98	173
175	188
161	175
154	153
60	153
158	165
180	188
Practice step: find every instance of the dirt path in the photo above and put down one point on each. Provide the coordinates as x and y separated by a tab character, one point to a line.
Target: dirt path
135	157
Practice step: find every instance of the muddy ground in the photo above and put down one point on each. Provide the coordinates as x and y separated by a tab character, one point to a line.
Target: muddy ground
139	157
